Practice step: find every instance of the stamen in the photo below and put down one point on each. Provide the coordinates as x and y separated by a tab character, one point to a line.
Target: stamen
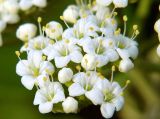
117	32
18	54
125	19
112	75
36	84
39	25
44	58
127	83
78	67
62	18
111	15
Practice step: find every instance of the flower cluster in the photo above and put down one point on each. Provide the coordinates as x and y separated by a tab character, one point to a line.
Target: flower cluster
66	66
157	29
9	11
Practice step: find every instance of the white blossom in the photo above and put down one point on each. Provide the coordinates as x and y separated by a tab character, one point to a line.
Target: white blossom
125	65
70	105
47	96
32	68
65	75
26	31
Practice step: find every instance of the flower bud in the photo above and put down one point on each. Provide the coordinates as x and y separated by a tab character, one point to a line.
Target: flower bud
71	14
25	5
104	2
157	26
158	50
65	75
40	3
10	18
70	105
2	25
89	62
26	31
11	6
125	65
54	30
120	3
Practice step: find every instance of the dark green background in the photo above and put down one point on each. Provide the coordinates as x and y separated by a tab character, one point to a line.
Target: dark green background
142	96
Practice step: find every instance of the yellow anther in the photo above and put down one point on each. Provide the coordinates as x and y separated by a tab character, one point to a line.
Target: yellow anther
128	82
59	26
135	27
44	78
113	68
51	42
94	2
86	61
137	32
39	19
110	43
53	30
84	15
121	93
108	16
102	24
78	67
44	58
88	73
115	13
47	25
49	72
17	53
89	5
117	32
91	28
62	18
67	41
113	21
35	45
125	18
44	28
26	45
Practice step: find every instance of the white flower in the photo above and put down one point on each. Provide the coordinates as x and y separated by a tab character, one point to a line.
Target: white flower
70	105
2	25
71	14
126	48
83	84
120	3
54	30
157	26
65	75
32	68
38	43
125	65
26	31
47	96
104	2
86	27
89	62
25	4
10	18
97	48
40	3
112	99
158	50
63	53
11	6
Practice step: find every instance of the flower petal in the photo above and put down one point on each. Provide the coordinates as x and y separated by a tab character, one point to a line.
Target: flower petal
58	97
61	61
107	110
28	82
118	102
21	68
76	90
95	96
45	107
76	56
38	99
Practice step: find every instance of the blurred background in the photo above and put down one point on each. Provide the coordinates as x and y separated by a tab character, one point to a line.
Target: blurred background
142	95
